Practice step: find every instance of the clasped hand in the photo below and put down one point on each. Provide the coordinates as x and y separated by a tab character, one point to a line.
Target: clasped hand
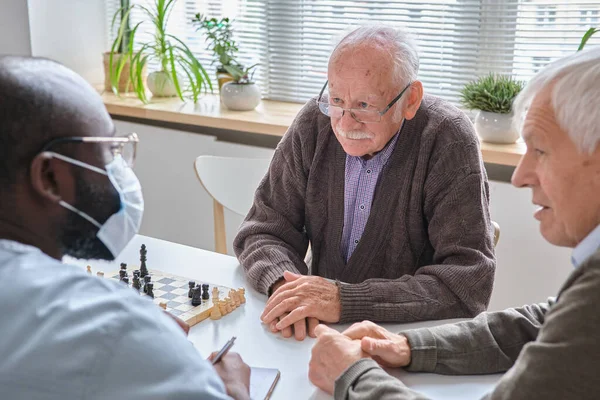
299	302
335	352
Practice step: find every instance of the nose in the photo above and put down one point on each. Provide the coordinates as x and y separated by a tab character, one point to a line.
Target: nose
348	122
524	175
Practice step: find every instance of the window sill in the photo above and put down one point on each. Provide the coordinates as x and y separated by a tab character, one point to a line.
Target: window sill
269	118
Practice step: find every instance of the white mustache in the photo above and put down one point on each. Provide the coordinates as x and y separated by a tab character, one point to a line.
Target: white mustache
354	135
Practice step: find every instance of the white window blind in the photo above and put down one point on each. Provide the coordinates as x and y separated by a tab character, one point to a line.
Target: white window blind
458	40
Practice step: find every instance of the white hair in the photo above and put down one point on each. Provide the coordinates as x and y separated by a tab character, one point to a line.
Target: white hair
399	43
575	96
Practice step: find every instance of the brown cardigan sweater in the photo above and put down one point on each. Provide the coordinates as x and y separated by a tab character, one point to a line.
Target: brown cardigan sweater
426	251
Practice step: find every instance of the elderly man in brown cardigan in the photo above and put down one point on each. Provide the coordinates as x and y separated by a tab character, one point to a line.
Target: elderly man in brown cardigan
388	187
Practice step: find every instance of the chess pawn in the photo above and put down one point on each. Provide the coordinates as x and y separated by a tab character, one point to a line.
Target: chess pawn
100	274
228	305
196	296
222	307
205	295
163	305
136	282
89	269
147	280
149	289
235	303
215	312
242	295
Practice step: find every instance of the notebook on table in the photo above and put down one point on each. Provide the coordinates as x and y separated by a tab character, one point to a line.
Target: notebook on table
262	382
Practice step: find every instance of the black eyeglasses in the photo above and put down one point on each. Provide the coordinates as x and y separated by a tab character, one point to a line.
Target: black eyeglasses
360	115
126	146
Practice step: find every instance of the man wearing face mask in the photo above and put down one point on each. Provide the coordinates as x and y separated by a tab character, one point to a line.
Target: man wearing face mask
387	186
67	188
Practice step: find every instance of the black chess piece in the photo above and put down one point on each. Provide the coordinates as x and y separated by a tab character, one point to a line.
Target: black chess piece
124	266
147	280
148	287
205	294
143	268
136	272
191	285
196	296
136	282
122	273
125	280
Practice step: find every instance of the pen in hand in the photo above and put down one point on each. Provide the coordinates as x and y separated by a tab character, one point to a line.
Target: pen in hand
224	350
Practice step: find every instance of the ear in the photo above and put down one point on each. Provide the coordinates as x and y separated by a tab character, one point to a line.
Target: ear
43	176
414	100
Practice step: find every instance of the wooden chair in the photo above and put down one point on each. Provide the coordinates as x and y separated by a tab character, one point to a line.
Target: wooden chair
231	182
496	232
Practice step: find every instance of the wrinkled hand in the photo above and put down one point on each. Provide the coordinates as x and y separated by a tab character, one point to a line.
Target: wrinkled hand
332	354
387	348
182	324
301	301
235	374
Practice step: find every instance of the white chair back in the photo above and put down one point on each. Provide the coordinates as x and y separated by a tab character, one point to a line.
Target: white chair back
231	182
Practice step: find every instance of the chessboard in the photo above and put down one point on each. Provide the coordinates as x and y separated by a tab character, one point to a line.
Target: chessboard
176	294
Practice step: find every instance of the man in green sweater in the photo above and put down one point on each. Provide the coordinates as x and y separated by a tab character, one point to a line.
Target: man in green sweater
550	350
388	187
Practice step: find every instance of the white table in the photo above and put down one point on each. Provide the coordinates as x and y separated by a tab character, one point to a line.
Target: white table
258	346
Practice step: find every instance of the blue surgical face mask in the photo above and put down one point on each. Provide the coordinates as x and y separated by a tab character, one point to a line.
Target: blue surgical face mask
122	226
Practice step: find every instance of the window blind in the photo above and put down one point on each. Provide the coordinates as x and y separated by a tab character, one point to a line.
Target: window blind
458	40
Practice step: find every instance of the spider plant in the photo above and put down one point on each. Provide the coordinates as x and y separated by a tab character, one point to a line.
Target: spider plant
178	65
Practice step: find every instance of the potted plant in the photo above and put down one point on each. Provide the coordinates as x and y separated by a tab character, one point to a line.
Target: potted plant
493	96
590	32
118	50
241	93
219	34
180	71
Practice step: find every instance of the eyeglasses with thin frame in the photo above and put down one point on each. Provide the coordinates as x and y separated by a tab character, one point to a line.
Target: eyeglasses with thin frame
360	115
126	145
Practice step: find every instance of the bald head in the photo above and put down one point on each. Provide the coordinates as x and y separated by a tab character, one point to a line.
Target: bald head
41	100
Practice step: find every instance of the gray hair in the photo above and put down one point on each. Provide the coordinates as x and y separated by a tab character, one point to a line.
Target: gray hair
575	96
400	44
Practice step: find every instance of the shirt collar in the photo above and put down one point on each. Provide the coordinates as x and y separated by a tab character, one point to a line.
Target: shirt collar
16	247
586	247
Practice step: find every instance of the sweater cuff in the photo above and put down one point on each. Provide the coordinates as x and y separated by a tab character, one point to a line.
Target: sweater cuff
356	302
350	376
423	350
273	274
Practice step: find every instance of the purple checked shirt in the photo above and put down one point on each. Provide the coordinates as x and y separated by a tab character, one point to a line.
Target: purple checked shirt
360	182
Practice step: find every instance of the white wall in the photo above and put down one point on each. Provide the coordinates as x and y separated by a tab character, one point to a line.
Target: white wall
178	209
14	28
72	32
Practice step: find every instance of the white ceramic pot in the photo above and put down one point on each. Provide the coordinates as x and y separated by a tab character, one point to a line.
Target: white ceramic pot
161	84
240	97
495	128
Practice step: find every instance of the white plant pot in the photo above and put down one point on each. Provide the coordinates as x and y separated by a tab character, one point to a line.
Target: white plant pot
161	84
240	97
495	128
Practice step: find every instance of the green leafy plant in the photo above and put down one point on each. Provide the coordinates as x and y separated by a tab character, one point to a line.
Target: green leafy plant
125	37
493	93
172	54
241	75
219	34
590	32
